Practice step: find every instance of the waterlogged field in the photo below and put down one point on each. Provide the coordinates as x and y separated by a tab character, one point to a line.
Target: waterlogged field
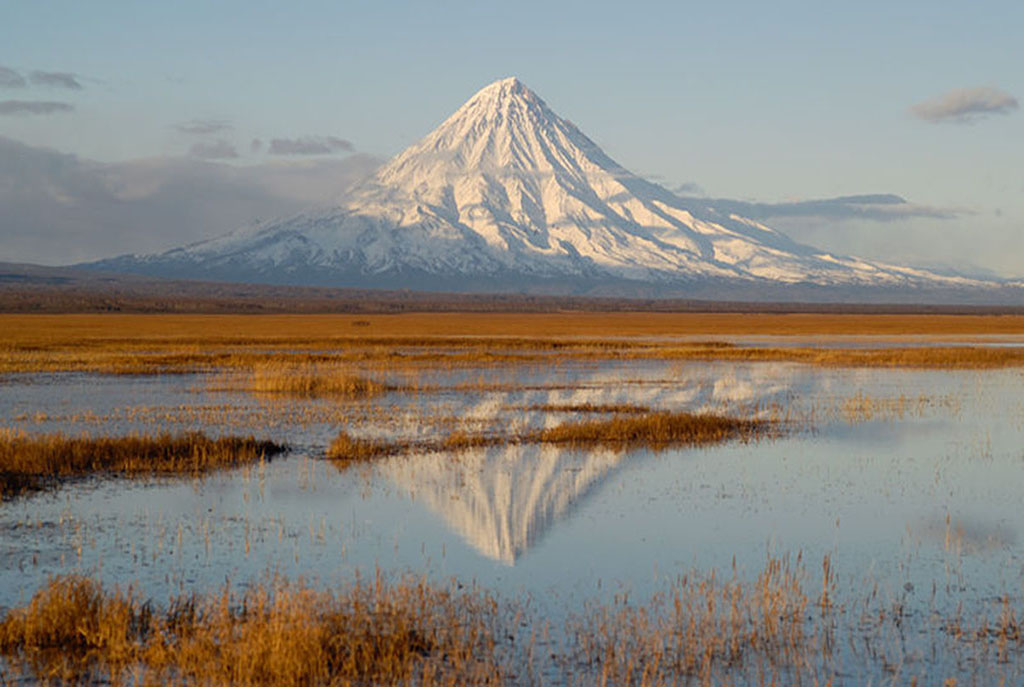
512	499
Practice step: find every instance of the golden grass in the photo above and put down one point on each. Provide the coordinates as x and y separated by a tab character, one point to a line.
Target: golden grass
597	408
347	450
702	629
370	632
308	380
158	344
48	330
29	463
925	357
658	430
262	365
652	430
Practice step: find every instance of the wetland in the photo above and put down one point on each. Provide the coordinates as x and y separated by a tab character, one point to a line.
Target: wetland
563	499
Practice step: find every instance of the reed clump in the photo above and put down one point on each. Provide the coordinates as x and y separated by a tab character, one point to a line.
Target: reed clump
703	628
30	463
307	380
656	431
597	408
280	633
348	450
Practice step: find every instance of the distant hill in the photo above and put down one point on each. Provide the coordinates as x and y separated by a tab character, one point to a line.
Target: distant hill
28	288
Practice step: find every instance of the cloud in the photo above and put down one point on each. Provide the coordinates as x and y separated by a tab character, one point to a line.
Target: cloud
10	78
56	80
213	150
310	145
965	105
32	107
202	127
60	208
881	207
689	188
256	145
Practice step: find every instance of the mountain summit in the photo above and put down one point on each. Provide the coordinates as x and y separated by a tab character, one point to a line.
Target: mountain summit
505	194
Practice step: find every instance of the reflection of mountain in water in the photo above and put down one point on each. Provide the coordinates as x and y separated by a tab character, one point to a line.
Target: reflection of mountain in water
502	500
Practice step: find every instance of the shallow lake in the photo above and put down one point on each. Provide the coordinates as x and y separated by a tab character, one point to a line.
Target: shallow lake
909	481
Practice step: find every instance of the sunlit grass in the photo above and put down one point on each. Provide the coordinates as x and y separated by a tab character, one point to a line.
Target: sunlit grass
30	463
650	430
704	628
310	380
656	430
346	450
597	408
369	632
164	344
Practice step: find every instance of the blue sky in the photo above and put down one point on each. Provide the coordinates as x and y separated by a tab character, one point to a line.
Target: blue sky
748	100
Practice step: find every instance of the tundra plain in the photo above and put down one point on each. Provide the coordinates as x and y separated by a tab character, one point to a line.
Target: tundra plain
512	498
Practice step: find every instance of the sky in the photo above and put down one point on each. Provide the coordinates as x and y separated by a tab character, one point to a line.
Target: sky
128	126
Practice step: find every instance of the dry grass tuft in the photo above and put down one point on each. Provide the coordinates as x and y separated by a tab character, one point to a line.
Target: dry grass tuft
702	628
657	431
347	450
652	430
616	408
29	463
309	380
283	634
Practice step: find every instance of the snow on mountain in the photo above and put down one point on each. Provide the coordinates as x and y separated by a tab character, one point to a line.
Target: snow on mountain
507	193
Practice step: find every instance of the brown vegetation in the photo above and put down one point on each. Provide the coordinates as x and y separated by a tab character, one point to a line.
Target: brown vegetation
49	329
308	380
155	344
703	628
29	463
597	408
347	450
283	634
700	628
652	430
656	430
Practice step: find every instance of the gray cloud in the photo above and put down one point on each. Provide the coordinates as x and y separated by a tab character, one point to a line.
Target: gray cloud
310	145
10	78
56	80
882	207
213	150
256	145
59	208
202	127
32	107
689	188
965	105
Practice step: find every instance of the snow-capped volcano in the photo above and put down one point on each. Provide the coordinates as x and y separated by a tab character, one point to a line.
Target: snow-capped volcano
507	194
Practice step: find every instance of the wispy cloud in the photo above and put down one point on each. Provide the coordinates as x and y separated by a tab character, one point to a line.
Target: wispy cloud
310	145
203	127
32	107
965	105
10	78
213	150
879	207
58	208
56	80
689	188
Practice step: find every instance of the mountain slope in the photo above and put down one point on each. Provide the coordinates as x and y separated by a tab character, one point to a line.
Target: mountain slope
506	194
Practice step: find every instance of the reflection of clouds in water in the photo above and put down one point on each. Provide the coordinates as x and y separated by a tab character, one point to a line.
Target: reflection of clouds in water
965	535
698	387
502	500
